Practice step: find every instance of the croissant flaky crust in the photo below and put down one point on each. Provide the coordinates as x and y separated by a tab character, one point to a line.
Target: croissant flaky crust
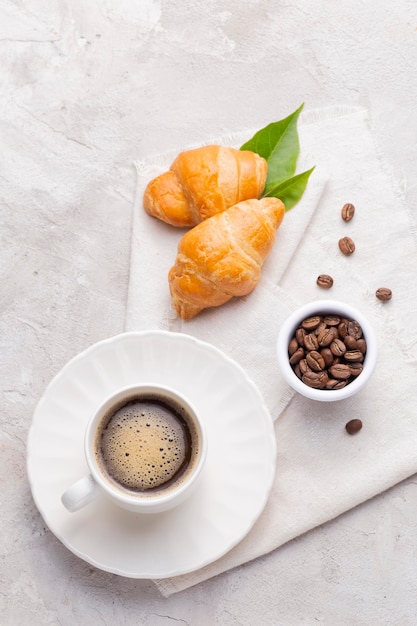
222	257
203	182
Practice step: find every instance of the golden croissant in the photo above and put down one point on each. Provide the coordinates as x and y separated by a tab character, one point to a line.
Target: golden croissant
222	257
203	182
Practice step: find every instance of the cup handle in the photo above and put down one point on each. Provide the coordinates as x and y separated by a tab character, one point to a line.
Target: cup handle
79	494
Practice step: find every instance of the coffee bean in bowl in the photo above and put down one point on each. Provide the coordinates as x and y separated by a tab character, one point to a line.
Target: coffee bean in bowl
327	350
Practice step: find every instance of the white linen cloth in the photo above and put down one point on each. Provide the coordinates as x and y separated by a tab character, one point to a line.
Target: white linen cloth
321	470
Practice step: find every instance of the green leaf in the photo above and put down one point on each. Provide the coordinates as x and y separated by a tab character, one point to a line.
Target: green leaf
278	143
290	191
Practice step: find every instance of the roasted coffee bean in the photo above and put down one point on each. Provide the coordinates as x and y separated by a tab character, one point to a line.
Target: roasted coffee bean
384	294
342	329
297	356
350	342
324	281
311	342
361	345
327	336
340	371
299	335
337	347
347	246
327	355
293	346
355	368
319	328
331	320
332	383
315	361
353	426
354	329
353	355
347	212
327	351
311	323
317	380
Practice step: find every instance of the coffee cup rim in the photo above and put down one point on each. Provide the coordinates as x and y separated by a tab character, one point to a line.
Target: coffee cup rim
326	307
132	500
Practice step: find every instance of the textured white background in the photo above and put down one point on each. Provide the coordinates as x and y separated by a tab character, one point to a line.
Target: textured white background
86	88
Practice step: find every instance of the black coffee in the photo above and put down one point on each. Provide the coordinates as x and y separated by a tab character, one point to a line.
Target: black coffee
147	444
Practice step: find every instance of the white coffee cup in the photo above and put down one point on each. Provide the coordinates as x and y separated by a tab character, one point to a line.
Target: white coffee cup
317	308
141	436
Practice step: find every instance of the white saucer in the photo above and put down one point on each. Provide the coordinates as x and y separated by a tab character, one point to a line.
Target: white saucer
237	478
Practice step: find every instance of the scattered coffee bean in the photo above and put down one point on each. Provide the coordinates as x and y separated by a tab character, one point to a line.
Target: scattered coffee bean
327	351
353	426
383	294
348	211
346	246
324	281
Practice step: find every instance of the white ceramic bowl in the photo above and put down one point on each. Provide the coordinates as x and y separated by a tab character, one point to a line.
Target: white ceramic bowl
323	307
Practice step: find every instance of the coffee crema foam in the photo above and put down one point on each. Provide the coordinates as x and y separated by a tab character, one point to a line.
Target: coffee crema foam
145	444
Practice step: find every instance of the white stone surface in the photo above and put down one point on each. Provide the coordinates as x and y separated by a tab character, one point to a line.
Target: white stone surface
86	87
